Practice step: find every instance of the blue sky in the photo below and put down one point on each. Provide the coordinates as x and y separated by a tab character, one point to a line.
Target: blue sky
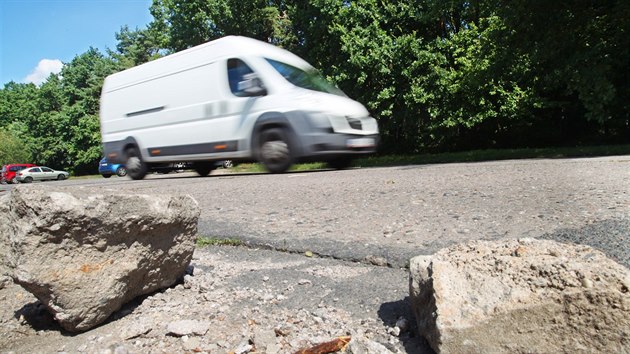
36	36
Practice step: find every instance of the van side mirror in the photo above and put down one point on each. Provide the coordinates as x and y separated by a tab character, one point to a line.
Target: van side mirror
251	86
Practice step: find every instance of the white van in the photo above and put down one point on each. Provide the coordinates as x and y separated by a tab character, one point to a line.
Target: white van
233	98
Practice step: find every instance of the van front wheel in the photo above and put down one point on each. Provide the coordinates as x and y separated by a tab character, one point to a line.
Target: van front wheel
275	150
136	168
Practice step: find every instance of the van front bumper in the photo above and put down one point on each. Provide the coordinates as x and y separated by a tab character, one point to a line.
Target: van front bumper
323	137
337	145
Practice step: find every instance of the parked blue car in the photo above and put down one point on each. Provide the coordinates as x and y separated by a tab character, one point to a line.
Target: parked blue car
107	169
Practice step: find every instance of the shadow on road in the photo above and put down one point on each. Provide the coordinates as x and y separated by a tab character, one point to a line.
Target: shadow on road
391	312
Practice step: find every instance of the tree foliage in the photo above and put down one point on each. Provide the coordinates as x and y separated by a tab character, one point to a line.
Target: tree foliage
57	123
438	75
12	148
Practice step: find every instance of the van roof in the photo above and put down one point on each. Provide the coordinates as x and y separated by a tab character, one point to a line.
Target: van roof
203	54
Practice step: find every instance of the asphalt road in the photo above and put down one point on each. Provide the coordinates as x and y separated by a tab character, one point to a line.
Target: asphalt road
374	215
388	215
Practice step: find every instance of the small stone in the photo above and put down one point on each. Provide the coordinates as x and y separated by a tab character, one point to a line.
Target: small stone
376	260
282	331
402	323
243	348
394	331
135	331
192	343
304	282
188	327
265	341
197	271
360	344
520	251
308	254
188	281
119	349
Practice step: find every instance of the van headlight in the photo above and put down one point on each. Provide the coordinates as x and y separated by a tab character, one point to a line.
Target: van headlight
320	121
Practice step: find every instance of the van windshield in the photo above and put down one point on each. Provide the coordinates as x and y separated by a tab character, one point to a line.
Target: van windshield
310	80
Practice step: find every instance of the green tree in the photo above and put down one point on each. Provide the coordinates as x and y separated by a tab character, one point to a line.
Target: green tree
12	147
58	121
138	46
192	22
18	103
581	52
76	124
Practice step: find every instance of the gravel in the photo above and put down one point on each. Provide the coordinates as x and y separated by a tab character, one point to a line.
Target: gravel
236	300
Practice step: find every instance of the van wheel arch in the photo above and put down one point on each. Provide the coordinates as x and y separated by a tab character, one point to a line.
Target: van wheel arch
273	120
128	144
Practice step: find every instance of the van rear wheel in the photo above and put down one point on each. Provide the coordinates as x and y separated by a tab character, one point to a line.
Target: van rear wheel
203	168
275	150
136	168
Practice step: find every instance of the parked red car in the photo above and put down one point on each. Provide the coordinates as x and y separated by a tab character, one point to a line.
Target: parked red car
9	171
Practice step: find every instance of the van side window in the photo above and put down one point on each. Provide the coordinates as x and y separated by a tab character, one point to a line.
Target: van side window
239	75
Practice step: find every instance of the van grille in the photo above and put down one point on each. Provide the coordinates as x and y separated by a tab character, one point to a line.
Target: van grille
354	123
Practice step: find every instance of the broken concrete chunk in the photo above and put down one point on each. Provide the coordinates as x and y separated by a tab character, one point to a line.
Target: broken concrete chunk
521	296
84	254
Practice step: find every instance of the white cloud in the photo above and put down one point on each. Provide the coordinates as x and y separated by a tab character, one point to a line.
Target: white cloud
43	70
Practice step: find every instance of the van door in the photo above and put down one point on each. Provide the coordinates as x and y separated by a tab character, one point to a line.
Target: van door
246	89
235	97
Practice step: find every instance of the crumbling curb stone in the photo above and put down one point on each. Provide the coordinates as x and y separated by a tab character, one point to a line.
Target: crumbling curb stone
521	296
84	255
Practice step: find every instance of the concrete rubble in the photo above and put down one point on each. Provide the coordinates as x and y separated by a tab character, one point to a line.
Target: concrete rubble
521	296
85	255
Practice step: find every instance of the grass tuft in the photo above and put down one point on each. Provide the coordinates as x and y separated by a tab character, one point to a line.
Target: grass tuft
203	241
